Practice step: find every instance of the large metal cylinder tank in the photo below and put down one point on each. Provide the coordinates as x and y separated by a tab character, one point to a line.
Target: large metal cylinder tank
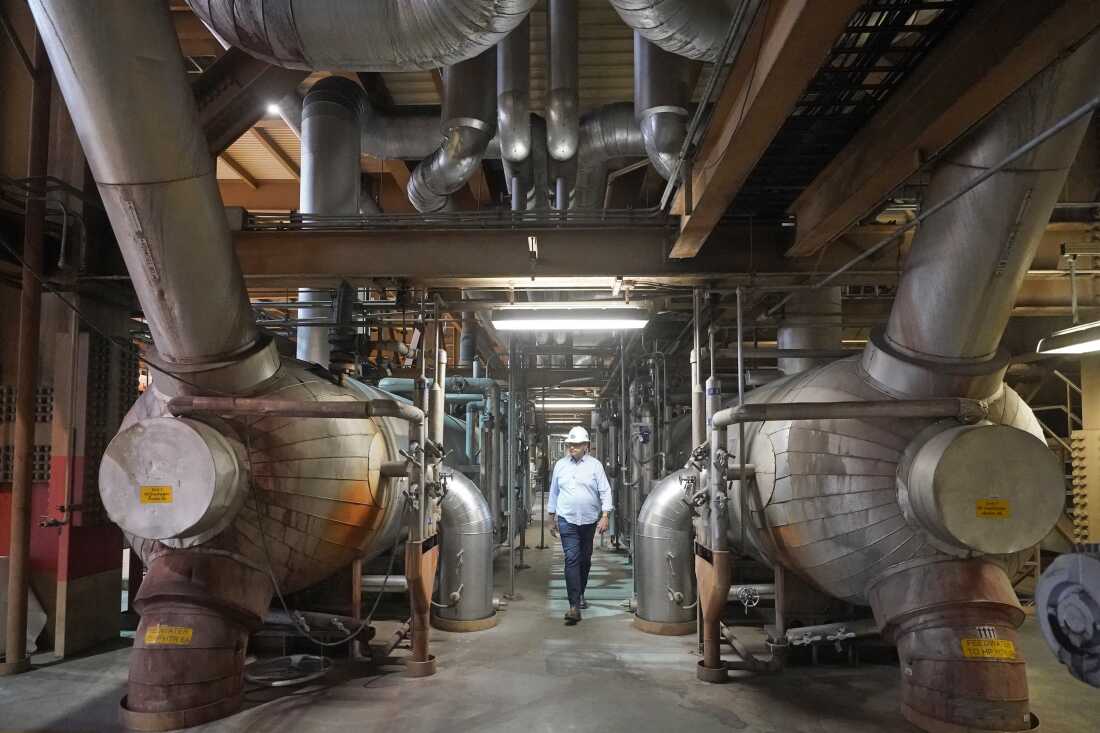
825	499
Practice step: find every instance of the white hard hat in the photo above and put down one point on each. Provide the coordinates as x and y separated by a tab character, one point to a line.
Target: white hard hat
577	435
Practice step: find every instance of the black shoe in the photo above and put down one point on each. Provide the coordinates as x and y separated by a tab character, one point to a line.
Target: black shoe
572	616
584	603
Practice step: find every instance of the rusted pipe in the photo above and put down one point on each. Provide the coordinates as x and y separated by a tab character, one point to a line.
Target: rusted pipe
30	309
262	406
966	410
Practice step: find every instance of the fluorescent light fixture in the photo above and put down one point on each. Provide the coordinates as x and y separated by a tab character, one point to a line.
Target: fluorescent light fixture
567	305
589	319
1082	339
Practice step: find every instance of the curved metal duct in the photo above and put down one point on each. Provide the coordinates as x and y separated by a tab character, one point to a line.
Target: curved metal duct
664	561
662	91
514	93
607	133
469	117
922	519
563	102
380	35
162	200
465	591
695	29
332	116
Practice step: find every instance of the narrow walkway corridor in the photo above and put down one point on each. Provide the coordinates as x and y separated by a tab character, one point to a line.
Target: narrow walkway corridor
532	673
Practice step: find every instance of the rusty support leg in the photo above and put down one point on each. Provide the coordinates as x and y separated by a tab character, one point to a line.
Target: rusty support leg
954	622
713	576
30	307
187	665
420	566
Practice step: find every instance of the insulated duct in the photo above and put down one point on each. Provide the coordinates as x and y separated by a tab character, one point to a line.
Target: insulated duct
662	91
469	117
514	93
664	559
380	35
607	133
464	600
695	29
162	200
563	102
332	117
529	180
924	520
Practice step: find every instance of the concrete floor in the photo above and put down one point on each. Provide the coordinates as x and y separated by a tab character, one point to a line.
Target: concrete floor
532	673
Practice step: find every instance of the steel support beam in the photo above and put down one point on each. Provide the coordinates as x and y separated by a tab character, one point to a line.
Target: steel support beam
994	50
785	47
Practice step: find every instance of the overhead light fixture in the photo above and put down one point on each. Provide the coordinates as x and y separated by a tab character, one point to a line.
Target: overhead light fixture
1081	339
564	406
273	110
589	319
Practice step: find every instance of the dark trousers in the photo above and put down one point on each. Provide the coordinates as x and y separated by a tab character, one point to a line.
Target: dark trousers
576	543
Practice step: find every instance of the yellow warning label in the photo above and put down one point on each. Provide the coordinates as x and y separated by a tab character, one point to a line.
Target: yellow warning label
992	509
178	635
156	494
988	648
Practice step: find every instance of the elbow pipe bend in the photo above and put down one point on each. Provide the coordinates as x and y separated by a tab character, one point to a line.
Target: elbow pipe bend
382	35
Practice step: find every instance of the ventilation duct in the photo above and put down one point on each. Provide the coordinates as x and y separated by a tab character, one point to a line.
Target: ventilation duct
925	521
465	592
332	117
514	93
607	133
664	563
662	91
529	180
469	117
380	35
563	104
162	200
695	29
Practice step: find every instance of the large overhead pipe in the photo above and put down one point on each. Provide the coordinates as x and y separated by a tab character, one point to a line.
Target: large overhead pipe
162	200
381	35
662	91
563	104
514	93
332	117
607	133
469	119
695	29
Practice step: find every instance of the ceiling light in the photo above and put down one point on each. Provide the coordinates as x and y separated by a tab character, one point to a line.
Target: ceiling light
589	319
273	110
1082	339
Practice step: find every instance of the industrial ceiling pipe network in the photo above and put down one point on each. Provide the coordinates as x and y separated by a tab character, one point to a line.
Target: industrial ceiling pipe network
469	121
514	93
926	520
606	133
380	35
662	92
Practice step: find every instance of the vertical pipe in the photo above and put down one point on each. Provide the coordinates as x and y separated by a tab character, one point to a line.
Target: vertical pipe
494	450
562	107
510	462
742	508
331	182
698	416
513	93
30	308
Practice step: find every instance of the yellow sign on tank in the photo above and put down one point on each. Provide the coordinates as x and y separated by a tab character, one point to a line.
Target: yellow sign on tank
175	635
988	649
992	509
156	494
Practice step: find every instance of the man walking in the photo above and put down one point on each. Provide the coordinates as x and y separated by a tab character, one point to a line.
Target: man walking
580	500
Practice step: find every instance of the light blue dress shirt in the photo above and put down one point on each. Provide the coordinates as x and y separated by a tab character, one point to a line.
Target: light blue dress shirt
579	490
